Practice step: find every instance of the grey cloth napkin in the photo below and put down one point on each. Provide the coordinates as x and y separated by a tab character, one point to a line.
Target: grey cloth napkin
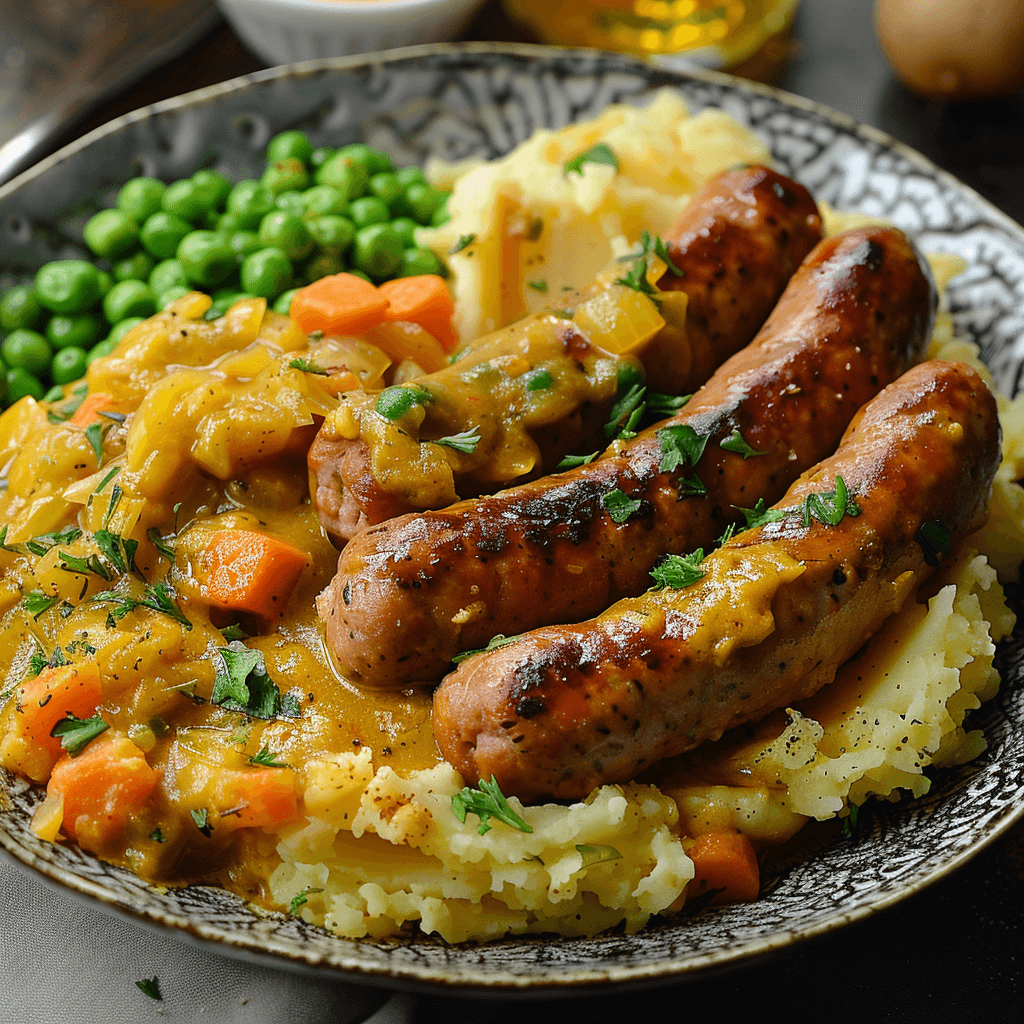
64	960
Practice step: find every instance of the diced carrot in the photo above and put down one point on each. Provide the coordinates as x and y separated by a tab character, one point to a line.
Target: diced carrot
726	861
257	798
245	571
40	703
91	407
424	300
103	787
339	304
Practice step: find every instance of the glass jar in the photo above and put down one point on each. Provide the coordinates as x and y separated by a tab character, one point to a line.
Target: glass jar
711	33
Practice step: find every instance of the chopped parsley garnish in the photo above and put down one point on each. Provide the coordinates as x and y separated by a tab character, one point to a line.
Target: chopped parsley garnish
94	434
241	684
735	443
202	819
637	280
65	409
850	822
300	898
563	314
597	853
266	758
75	734
935	541
157	597
150	986
626	413
157	835
487	802
159	541
464	442
828	508
601	153
653	245
681	445
679	571
298	363
500	640
463	243
119	551
660	405
36	602
234	632
619	505
38	546
113	471
84	566
538	286
572	461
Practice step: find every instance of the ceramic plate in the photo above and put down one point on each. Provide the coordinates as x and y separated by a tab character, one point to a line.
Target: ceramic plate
478	100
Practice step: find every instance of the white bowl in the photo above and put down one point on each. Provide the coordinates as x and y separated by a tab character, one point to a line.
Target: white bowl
282	31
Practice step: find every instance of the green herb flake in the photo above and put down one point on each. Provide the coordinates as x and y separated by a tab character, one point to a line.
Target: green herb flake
599	154
241	684
681	445
202	819
735	443
653	245
157	597
539	285
679	571
572	461
464	442
661	406
626	413
597	853
619	505
500	640
150	987
759	515
91	564
75	734
160	542
36	603
487	802
112	472
307	367
157	835
234	632
637	280
94	434
266	758
935	541
464	242
118	551
300	899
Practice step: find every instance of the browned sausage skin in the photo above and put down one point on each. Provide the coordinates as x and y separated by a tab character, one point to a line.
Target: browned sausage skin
737	243
564	709
410	594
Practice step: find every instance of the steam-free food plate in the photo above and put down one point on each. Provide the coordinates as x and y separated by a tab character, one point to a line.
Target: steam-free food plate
473	100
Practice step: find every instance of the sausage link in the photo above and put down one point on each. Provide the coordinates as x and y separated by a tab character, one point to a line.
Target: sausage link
736	244
410	594
564	709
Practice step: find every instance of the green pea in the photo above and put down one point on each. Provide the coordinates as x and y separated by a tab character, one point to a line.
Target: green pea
285	176
128	298
323	264
537	380
320	156
98	351
136	267
386	187
68	364
167	274
106	280
223	300
249	202
140	198
184	200
67	286
292	202
212	187
73	331
405	228
266	272
375	161
394	402
323	199
368	210
287	232
244	243
227	223
410	175
28	350
283	303
20	308
20	382
170	295
344	174
332	233
420	261
162	233
206	258
122	327
110	232
289	145
423	201
377	251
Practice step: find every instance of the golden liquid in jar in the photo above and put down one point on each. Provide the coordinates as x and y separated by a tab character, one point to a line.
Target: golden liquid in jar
715	33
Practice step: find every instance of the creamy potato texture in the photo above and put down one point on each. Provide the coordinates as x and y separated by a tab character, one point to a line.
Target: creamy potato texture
223	745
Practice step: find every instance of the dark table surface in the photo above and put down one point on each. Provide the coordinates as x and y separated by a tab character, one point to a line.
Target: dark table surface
950	953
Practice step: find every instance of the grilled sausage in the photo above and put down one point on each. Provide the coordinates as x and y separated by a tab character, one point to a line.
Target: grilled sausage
736	244
410	594
564	709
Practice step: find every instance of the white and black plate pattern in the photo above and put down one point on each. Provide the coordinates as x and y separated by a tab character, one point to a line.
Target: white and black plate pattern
457	101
